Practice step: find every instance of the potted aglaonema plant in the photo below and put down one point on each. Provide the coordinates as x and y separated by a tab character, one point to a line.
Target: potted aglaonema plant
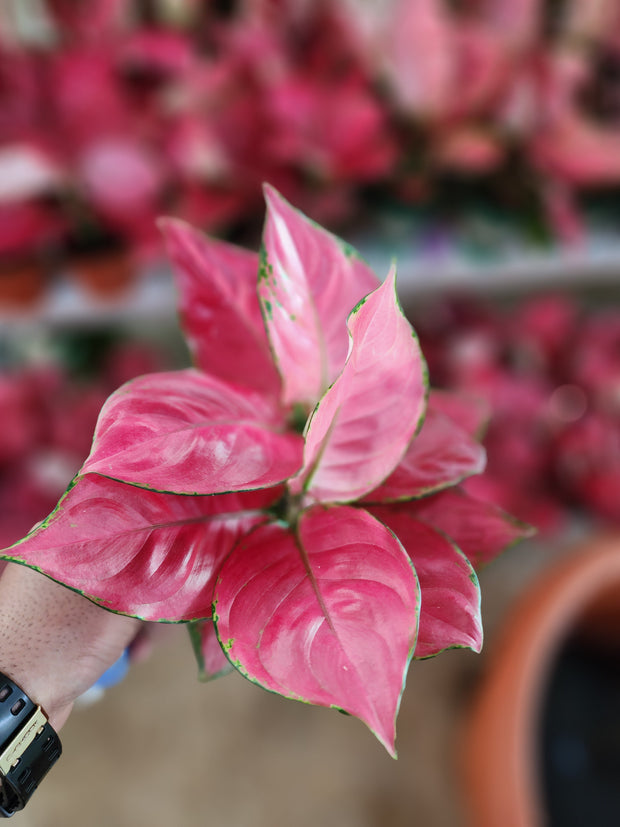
294	497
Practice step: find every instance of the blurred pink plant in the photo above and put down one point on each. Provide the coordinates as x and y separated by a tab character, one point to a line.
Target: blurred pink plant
21	95
78	22
550	371
187	110
480	78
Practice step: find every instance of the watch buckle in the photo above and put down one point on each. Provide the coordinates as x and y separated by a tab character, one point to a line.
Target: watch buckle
22	739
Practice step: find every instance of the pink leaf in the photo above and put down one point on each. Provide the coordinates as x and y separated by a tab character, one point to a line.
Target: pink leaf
138	552
120	176
309	283
419	57
328	615
219	307
578	151
482	69
212	662
189	433
517	22
360	430
479	529
440	456
450	605
470	412
469	149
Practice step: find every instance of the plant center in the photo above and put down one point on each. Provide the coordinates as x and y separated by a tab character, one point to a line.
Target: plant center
298	417
288	508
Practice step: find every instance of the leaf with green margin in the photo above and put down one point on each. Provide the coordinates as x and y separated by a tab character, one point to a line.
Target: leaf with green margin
450	594
219	308
327	615
310	280
440	456
480	529
141	553
360	429
185	432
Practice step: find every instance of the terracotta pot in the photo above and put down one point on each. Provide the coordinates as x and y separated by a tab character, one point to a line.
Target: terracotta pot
21	286
501	746
105	274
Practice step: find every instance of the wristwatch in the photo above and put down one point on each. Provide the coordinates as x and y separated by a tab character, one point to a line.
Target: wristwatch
29	747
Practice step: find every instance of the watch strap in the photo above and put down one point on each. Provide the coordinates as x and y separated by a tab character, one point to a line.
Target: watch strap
29	747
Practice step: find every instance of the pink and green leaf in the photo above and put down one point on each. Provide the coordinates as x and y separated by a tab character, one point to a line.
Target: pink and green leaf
190	433
361	428
481	530
211	660
450	593
137	552
309	283
327	615
219	308
440	456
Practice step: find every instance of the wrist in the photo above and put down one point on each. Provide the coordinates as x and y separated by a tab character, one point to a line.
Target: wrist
54	644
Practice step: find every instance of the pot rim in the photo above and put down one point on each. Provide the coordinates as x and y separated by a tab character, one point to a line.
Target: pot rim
499	750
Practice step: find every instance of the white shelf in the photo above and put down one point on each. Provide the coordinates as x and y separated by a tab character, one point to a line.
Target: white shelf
151	298
516	269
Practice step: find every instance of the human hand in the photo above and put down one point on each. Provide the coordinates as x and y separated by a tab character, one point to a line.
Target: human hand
54	643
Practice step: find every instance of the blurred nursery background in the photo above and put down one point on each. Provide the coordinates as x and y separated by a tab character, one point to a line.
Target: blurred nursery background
478	143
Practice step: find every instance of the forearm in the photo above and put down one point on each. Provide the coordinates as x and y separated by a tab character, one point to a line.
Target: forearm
55	643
